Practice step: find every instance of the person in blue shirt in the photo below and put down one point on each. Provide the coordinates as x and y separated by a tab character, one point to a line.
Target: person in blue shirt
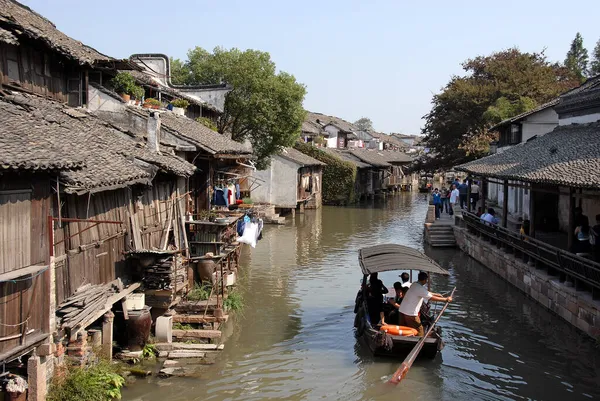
463	190
437	202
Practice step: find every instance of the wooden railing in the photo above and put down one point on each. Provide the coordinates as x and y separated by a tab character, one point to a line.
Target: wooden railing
580	270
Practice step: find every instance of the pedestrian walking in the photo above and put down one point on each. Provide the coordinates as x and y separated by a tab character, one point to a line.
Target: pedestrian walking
445	199
454	195
437	202
463	190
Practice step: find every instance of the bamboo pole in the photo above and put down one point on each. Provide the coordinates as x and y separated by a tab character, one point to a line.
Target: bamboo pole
410	358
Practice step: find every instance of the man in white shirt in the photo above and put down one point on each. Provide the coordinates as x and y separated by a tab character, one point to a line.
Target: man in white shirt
412	301
454	196
489	217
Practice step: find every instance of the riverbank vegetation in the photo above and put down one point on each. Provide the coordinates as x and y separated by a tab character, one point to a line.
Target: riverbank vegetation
100	382
339	177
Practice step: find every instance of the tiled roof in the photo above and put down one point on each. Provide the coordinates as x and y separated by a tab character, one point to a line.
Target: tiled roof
8	37
569	155
395	157
300	158
37	133
311	128
370	156
200	135
323	119
340	154
21	20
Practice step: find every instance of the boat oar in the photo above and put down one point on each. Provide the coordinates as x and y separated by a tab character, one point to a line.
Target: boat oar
410	358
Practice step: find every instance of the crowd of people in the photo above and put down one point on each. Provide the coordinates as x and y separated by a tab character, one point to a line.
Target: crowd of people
406	307
449	199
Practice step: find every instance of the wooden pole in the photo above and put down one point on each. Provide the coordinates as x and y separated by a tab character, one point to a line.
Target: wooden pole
532	210
571	208
483	193
505	205
410	358
469	194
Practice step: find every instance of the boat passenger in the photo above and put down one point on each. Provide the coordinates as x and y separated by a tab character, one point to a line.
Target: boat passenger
394	317
411	303
375	292
405	280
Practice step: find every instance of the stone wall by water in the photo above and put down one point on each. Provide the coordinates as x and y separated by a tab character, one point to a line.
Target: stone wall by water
576	307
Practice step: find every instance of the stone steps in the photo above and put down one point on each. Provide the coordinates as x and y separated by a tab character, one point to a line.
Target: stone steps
440	235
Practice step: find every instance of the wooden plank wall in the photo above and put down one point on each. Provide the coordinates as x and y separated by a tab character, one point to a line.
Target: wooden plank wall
40	71
21	300
78	263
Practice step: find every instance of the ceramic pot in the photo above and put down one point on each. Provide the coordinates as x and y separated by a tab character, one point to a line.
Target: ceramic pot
180	111
126	98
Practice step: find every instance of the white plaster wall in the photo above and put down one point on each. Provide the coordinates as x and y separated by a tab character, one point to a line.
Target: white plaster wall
262	193
539	123
588	118
100	101
280	183
333	136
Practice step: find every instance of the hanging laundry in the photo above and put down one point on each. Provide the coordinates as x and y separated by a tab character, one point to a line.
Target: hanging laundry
250	234
238	194
219	198
231	194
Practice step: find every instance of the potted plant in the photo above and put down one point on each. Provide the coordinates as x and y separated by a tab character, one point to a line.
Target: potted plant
179	106
16	387
151	103
124	84
138	94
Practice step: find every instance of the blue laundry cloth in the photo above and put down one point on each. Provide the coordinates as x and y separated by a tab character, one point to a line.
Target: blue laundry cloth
219	198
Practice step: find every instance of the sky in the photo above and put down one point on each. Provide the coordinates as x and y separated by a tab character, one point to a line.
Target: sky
378	59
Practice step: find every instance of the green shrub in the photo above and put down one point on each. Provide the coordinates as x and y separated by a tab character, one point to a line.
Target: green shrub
207	122
138	93
182	103
180	326
200	293
339	176
149	351
125	83
234	301
153	102
100	382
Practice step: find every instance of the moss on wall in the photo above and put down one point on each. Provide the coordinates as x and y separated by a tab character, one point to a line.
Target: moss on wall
339	176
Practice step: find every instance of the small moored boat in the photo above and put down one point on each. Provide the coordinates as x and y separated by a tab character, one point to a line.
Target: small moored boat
390	257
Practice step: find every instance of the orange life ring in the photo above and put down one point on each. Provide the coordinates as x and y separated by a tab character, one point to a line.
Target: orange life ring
399	330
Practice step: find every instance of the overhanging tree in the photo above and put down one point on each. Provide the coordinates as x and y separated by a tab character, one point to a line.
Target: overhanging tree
595	64
264	106
577	58
364	124
494	88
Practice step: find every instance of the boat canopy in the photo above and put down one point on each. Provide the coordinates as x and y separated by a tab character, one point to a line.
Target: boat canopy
382	258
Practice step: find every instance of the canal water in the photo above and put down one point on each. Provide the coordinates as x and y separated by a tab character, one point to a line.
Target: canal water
295	339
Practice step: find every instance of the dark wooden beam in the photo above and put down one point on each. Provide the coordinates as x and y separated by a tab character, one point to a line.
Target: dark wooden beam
469	194
505	205
532	210
483	193
571	207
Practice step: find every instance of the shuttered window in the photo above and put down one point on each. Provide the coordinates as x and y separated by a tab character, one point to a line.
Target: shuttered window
15	230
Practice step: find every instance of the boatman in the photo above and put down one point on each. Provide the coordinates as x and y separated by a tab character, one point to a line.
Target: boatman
412	301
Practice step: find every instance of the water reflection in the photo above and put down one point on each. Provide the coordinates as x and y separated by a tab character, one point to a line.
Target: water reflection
295	338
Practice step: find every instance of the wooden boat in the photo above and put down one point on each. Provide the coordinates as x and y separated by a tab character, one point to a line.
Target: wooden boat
389	257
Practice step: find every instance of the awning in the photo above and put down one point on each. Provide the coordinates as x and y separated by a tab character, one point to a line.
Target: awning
382	258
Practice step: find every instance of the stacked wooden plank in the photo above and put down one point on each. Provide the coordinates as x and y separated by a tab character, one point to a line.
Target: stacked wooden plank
86	300
167	273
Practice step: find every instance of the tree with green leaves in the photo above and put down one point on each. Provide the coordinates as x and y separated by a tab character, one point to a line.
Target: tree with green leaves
364	124
577	58
494	88
595	64
264	106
